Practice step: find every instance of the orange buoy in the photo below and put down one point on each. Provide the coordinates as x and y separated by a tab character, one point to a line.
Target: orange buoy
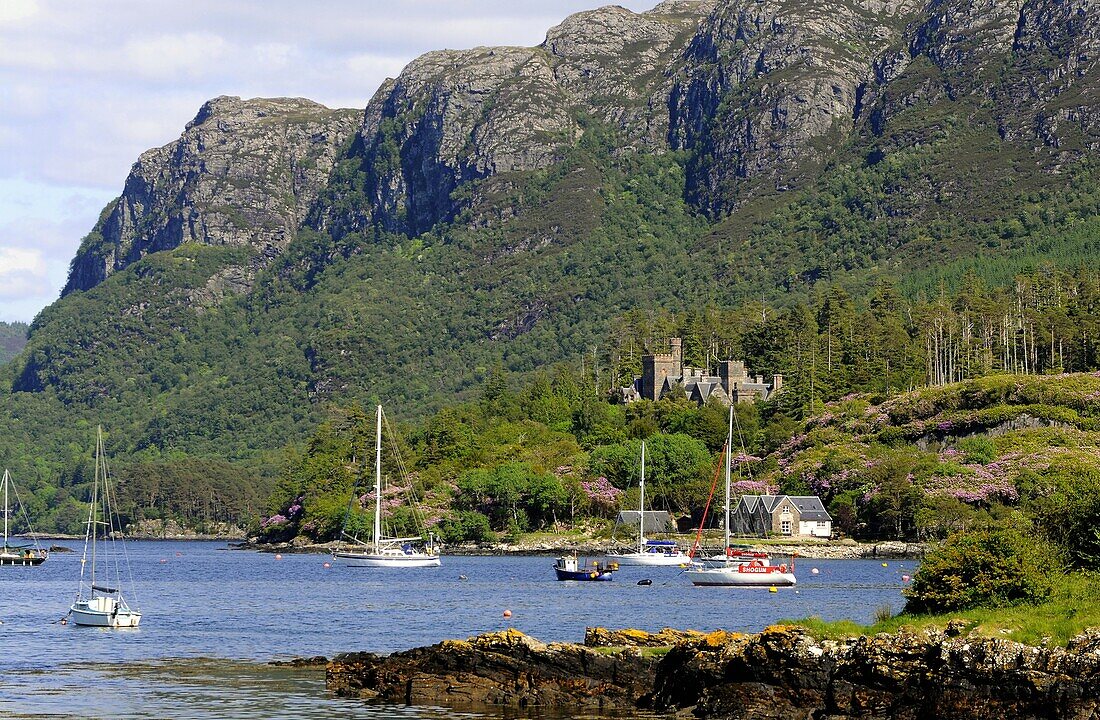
507	613
278	557
905	578
328	565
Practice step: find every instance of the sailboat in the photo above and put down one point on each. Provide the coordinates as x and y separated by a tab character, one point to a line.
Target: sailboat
18	554
385	552
99	599
738	568
650	552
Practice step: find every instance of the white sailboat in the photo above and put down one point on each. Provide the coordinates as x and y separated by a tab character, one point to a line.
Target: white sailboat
385	552
24	555
743	568
650	552
99	600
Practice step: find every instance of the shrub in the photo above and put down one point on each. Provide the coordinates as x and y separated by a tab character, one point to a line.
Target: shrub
985	567
466	526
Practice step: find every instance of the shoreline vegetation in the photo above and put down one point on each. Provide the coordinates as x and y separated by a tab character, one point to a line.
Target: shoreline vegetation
558	544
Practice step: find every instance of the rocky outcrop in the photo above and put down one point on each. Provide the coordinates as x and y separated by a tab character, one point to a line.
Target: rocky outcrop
506	669
770	88
244	173
779	674
457	116
784	673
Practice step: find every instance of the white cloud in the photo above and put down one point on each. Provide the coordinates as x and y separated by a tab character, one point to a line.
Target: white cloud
22	273
12	11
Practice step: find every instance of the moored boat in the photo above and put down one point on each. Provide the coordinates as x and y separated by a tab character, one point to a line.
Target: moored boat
24	555
382	551
98	604
650	552
570	567
737	566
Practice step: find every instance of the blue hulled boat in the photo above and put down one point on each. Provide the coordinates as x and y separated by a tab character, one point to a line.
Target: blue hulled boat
568	567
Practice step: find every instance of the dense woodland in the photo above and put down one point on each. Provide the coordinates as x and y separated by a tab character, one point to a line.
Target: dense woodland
13	337
557	451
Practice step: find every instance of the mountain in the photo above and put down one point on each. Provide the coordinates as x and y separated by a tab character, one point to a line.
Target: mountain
505	207
13	338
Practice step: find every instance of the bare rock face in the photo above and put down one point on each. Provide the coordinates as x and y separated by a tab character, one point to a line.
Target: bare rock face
770	88
784	673
506	669
453	117
243	173
779	674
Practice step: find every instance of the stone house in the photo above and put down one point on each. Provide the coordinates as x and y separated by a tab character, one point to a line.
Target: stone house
732	383
789	515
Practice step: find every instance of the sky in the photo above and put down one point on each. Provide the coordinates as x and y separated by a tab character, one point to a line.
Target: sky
85	87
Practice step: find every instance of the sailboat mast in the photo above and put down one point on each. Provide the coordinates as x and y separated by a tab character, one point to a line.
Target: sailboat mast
92	514
641	506
729	451
5	508
378	484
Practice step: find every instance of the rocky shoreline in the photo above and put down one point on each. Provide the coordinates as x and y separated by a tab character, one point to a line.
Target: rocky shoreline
781	673
811	550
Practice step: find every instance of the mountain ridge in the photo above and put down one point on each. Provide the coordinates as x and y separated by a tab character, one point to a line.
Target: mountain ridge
505	208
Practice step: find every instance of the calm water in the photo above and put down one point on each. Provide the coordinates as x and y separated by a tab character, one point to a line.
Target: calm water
212	617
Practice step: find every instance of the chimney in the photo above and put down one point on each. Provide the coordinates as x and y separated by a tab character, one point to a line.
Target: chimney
777	383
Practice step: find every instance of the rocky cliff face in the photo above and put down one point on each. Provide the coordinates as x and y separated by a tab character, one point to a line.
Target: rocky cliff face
457	116
769	90
779	674
760	93
244	172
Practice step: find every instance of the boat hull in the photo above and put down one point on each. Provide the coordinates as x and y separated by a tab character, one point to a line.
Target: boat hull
583	575
386	561
651	559
88	615
31	561
735	577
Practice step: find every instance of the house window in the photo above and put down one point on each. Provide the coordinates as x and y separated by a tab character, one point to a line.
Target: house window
785	527
821	523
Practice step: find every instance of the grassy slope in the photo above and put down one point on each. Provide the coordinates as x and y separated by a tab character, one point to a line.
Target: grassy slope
1071	609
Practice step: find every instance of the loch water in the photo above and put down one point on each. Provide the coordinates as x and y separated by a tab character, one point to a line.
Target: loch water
214	618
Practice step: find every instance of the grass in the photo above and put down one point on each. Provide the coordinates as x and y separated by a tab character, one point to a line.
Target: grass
1072	608
646	652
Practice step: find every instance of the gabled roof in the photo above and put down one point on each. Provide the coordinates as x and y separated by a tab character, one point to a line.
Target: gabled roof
809	507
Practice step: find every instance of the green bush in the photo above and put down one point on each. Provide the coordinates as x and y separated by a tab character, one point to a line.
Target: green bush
466	526
1067	513
985	567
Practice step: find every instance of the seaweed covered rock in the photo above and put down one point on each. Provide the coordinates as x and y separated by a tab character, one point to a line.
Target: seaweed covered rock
506	669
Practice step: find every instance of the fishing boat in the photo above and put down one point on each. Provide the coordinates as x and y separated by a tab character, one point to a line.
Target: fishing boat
737	567
99	599
650	552
382	551
569	567
25	555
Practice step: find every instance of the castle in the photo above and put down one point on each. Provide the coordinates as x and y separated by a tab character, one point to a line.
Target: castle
660	373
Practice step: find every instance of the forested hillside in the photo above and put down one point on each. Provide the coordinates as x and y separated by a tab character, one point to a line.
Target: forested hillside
13	337
874	198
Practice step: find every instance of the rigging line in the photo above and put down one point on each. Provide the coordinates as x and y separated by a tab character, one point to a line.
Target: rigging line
419	516
706	508
113	516
23	511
